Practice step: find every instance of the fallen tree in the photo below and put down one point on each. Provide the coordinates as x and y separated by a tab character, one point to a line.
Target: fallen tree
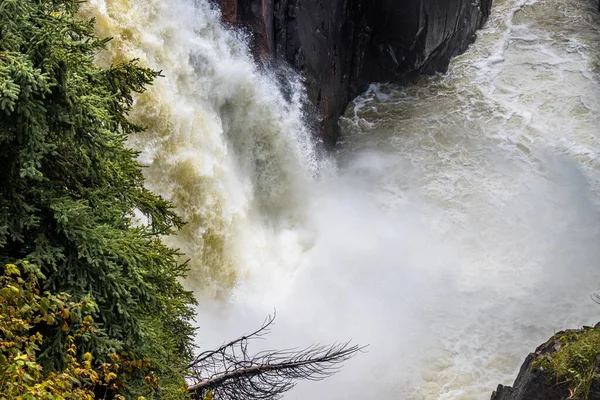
231	372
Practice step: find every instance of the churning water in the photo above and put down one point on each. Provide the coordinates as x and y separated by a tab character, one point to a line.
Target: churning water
456	227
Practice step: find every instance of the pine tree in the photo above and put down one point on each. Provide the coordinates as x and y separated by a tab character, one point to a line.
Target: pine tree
72	200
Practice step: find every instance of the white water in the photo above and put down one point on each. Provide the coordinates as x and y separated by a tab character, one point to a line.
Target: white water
458	231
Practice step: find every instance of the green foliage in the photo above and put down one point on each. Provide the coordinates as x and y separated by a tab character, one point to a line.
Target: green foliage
69	191
575	363
23	309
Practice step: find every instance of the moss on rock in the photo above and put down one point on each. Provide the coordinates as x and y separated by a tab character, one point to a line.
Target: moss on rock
574	361
566	367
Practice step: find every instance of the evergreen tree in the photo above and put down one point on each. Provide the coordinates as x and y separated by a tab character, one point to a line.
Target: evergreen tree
70	191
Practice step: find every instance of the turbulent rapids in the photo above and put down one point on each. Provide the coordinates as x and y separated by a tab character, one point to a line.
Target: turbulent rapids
454	229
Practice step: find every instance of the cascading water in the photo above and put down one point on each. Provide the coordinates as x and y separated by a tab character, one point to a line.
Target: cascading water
221	142
459	229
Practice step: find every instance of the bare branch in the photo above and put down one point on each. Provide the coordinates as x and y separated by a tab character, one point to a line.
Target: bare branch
232	373
259	333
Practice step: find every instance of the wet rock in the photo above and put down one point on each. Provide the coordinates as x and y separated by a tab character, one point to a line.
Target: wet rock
340	46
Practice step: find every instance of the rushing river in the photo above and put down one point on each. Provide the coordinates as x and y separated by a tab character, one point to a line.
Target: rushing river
455	228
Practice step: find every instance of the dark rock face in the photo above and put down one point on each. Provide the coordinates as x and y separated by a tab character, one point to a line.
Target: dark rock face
340	46
531	385
537	384
420	36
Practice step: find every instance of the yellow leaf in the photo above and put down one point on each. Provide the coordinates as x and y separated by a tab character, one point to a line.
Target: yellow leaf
12	269
14	289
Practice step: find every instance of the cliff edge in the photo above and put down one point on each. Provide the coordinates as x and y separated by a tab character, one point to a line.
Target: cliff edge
340	46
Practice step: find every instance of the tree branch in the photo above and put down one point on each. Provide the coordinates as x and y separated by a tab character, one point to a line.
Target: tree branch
231	373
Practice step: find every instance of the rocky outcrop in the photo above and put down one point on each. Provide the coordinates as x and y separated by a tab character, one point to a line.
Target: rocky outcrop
342	45
532	384
536	381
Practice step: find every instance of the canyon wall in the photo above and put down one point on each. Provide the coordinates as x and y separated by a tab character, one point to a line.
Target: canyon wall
340	46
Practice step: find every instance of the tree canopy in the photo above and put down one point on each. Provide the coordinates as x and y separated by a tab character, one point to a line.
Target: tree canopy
72	200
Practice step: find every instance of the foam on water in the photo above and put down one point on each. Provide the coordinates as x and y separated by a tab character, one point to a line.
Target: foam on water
504	149
459	229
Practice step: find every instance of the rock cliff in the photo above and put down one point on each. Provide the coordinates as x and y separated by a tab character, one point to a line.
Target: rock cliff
342	45
565	367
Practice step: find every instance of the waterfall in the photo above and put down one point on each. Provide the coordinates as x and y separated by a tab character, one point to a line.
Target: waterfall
454	229
222	142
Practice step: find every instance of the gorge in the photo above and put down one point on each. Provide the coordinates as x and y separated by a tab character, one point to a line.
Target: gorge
453	228
341	46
